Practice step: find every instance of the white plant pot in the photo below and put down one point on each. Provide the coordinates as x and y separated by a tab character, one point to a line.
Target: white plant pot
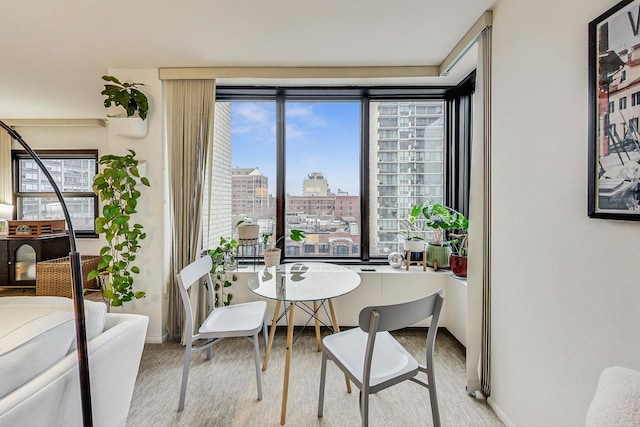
129	127
414	245
272	257
248	231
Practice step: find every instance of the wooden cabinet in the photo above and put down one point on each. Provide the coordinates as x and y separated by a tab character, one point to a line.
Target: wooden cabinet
18	257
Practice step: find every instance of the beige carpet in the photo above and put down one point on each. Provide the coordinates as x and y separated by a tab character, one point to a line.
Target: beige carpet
222	391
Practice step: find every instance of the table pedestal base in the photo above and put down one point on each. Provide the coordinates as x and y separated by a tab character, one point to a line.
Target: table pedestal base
287	363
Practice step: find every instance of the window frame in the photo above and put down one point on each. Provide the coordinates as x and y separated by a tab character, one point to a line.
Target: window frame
456	133
58	154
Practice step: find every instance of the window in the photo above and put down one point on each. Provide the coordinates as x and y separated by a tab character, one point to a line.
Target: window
72	171
343	164
635	99
612	106
623	103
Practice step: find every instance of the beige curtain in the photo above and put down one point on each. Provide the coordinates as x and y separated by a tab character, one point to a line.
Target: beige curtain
6	190
479	277
190	116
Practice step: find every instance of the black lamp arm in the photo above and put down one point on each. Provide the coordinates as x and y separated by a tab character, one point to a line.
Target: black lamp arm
78	287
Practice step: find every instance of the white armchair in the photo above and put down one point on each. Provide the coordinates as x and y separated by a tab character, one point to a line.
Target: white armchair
617	399
51	397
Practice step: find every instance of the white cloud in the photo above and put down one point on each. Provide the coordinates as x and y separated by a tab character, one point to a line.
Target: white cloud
254	118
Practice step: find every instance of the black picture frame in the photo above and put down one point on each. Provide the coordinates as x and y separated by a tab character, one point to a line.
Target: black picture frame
614	113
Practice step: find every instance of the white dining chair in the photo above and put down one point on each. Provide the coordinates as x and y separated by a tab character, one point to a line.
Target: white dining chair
374	360
238	320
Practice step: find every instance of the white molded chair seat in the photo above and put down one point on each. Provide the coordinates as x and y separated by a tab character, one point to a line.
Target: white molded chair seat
390	360
235	320
374	360
239	320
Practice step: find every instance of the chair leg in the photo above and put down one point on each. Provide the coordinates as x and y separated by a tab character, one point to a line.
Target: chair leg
364	408
433	396
185	376
256	348
323	376
210	352
265	333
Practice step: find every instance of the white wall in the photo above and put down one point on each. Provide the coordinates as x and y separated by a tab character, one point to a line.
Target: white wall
566	288
151	207
152	258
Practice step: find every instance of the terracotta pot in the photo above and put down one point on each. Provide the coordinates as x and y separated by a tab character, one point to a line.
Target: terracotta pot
459	265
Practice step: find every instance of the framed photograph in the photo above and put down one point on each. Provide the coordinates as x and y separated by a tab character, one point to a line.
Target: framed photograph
614	111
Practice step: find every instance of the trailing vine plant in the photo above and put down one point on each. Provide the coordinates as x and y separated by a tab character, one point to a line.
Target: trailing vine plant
224	261
116	185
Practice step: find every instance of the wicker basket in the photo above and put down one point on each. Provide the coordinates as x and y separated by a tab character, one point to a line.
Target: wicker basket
53	277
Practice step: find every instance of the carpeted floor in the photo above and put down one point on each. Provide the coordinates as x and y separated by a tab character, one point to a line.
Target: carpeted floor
222	391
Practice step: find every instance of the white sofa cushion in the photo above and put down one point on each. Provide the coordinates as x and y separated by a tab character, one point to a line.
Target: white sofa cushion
95	312
617	399
31	340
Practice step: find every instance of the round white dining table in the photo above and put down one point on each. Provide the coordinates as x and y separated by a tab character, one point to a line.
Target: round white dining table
299	283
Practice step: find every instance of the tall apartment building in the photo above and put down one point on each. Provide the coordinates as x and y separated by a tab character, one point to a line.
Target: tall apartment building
72	175
407	154
315	184
249	193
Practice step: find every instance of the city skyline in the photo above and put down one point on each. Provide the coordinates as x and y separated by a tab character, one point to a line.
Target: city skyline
312	131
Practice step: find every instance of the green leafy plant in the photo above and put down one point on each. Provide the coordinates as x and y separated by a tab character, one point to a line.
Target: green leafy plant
223	257
441	218
294	234
126	95
411	229
243	221
117	186
460	244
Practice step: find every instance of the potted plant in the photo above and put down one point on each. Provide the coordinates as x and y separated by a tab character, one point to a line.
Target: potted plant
440	219
224	261
134	102
413	235
459	253
271	252
247	231
117	187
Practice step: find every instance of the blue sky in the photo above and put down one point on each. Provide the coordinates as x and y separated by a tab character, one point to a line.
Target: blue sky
321	137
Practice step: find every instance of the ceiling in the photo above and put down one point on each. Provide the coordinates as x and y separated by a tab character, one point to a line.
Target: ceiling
53	53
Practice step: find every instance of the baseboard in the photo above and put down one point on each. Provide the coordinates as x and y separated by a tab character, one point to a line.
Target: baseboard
500	413
155	339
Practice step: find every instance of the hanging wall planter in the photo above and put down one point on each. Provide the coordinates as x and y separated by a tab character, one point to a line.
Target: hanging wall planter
135	103
129	127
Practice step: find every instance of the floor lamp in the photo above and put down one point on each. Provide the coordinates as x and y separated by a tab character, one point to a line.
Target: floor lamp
78	287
